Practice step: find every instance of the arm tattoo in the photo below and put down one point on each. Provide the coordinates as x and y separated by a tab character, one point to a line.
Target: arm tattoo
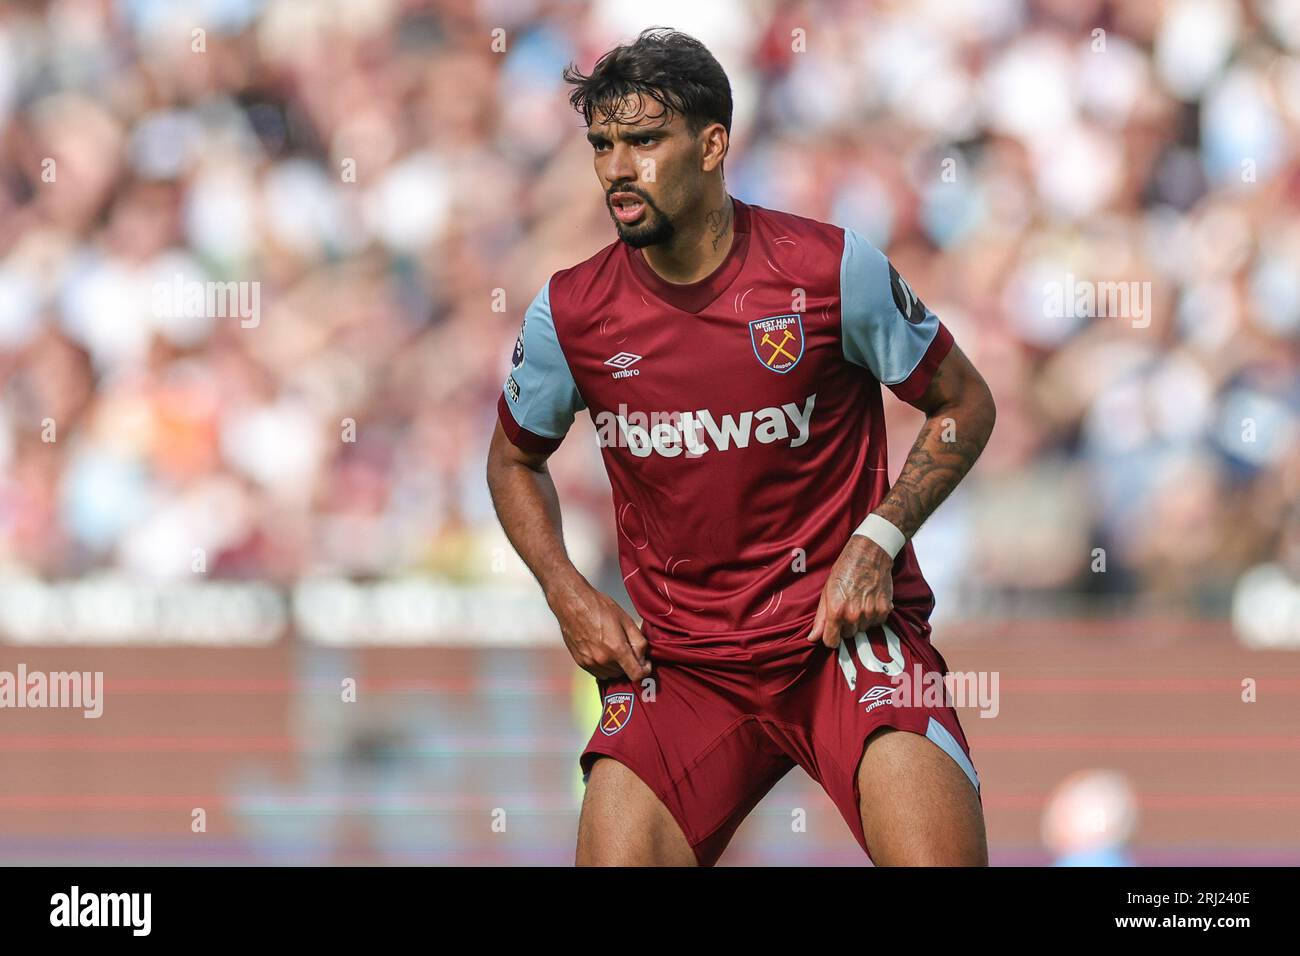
936	463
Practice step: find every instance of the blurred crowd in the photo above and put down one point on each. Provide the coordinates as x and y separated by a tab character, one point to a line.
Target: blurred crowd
399	178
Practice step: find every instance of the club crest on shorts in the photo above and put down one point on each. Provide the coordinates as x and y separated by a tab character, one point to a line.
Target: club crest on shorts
777	341
617	712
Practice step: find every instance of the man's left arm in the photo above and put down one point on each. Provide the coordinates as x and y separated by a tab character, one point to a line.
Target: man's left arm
959	419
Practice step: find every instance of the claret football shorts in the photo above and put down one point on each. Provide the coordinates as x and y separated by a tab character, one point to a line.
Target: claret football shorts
728	718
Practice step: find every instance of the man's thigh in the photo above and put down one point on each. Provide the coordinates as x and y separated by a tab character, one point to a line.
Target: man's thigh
623	823
918	807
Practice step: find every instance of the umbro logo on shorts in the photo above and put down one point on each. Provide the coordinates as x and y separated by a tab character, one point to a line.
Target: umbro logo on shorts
880	694
617	712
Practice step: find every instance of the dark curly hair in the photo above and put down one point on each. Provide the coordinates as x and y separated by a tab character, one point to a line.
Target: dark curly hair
671	68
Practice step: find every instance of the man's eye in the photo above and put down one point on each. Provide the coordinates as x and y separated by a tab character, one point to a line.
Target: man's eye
645	140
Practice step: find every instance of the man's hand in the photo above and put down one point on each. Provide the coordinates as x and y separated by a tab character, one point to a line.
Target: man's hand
604	641
859	594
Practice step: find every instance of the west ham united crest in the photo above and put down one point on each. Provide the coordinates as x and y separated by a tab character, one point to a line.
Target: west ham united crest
778	341
617	712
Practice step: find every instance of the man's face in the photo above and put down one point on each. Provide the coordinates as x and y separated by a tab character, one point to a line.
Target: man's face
649	168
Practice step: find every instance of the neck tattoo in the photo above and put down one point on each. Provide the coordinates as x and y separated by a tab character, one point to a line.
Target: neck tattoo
718	221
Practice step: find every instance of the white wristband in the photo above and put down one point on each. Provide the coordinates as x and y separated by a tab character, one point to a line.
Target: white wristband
883	532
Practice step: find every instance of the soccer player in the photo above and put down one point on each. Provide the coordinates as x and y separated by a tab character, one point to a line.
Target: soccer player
731	358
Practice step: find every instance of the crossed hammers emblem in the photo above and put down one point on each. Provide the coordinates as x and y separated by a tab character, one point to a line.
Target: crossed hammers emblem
779	347
613	718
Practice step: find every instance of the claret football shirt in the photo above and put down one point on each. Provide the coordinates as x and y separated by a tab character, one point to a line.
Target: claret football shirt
739	417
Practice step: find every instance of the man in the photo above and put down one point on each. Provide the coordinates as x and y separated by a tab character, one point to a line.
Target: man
731	358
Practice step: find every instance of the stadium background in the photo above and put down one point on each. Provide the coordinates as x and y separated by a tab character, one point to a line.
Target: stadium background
242	524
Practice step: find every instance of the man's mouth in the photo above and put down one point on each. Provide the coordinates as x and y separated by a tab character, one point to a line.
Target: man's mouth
627	207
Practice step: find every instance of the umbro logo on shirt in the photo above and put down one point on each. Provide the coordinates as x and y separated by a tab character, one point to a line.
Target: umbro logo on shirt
624	361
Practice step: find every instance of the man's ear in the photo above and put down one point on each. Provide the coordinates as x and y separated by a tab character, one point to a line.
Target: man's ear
714	137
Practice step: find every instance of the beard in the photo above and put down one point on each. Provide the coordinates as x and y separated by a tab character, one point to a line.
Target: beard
654	228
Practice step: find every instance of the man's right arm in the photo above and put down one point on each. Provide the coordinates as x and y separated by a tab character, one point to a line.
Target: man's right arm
602	638
535	411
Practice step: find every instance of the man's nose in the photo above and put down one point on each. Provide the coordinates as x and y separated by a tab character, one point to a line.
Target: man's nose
622	165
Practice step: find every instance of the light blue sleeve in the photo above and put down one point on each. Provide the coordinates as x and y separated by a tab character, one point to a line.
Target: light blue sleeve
885	327
540	392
